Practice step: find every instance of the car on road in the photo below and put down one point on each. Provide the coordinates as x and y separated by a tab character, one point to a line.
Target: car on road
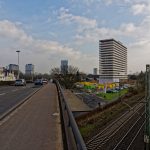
38	82
45	81
20	82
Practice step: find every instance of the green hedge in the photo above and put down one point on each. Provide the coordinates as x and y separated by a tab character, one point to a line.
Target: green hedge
7	83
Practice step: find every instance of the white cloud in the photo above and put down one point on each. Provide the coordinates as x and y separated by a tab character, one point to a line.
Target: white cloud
89	2
138	55
125	30
138	9
11	30
137	35
128	29
43	53
83	22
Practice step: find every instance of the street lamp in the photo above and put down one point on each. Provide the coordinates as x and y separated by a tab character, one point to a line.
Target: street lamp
18	64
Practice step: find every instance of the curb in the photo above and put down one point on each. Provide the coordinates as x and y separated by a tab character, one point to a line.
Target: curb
18	105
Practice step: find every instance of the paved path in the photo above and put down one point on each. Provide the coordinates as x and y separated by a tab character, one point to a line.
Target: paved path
34	126
76	105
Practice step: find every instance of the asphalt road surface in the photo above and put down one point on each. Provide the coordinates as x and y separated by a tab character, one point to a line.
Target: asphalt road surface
11	95
35	125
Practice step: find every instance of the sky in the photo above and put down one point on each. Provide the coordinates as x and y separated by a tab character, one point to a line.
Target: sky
48	31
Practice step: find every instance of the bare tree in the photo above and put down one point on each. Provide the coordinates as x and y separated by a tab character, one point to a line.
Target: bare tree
141	81
55	71
66	80
72	70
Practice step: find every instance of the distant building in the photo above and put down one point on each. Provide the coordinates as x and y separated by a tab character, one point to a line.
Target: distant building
64	66
94	71
29	69
13	67
112	60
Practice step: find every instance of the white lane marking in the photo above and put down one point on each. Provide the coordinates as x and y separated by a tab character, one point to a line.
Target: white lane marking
2	93
55	114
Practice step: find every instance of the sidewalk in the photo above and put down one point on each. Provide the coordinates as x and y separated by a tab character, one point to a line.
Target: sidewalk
76	105
36	125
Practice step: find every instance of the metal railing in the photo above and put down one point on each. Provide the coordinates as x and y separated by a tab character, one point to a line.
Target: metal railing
71	135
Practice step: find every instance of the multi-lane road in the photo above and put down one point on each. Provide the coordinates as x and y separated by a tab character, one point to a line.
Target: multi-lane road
12	95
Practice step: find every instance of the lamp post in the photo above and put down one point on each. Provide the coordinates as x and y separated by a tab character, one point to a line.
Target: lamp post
18	64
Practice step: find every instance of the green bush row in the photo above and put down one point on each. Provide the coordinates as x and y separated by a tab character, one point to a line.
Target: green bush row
7	83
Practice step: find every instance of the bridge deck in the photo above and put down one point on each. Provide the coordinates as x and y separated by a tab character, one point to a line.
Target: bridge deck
35	125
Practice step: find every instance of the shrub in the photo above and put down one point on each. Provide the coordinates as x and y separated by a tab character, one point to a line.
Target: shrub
7	83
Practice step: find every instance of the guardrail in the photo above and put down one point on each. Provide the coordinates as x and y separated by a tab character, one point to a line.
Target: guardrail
71	134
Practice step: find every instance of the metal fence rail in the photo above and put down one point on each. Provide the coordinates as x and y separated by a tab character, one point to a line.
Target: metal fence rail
71	134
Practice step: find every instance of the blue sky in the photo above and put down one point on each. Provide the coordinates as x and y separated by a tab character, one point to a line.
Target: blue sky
50	30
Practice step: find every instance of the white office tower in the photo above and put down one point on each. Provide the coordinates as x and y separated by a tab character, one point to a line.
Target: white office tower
29	69
112	61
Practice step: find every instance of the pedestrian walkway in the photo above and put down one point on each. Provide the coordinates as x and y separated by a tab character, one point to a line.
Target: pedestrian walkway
34	126
76	104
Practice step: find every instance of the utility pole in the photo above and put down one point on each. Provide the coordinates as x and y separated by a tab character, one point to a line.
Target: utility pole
147	109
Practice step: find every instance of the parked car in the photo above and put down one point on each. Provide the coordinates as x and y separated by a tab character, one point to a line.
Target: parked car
38	82
115	91
109	91
20	82
112	91
45	81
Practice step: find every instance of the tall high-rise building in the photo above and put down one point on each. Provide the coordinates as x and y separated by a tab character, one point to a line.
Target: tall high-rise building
64	66
29	69
12	67
94	71
112	60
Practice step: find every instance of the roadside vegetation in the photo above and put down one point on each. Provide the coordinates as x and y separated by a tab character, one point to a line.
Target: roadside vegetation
2	83
112	96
